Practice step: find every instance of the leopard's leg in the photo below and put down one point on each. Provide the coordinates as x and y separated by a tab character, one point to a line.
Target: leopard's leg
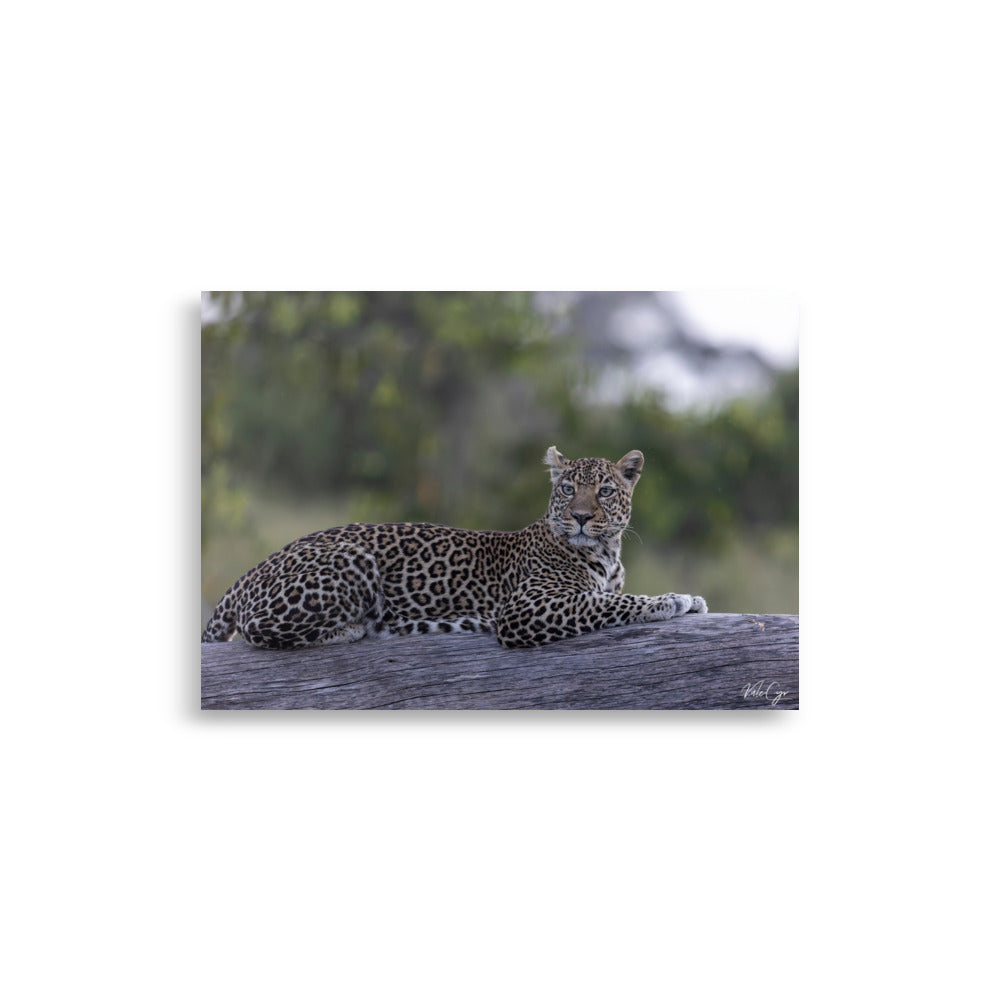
461	625
221	626
336	599
538	614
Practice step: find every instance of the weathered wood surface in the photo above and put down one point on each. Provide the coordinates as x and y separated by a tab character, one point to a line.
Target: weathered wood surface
713	661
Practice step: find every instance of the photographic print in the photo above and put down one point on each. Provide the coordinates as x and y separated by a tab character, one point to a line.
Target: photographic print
499	500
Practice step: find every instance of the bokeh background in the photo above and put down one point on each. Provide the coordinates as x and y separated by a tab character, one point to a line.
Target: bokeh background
321	408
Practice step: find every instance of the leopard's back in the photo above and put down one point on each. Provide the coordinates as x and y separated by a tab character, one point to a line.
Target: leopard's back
372	579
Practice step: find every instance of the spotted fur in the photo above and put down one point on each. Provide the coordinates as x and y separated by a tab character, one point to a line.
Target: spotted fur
559	577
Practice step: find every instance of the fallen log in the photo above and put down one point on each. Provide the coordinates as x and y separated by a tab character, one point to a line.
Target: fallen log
713	661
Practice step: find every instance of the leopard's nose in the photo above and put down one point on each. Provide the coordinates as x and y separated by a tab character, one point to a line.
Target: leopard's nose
582	519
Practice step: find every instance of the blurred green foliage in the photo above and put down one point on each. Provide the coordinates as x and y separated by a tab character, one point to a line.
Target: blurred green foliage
438	406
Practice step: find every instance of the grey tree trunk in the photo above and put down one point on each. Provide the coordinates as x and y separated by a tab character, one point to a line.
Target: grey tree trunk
713	661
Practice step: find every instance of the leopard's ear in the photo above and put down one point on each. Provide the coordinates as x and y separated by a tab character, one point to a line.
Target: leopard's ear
557	463
630	466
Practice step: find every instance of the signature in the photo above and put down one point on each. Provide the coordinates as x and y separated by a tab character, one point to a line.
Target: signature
772	692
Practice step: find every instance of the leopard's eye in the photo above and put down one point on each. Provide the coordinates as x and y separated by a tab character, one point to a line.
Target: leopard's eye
606	491
568	489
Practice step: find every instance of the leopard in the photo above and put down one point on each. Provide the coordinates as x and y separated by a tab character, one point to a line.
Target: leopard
560	577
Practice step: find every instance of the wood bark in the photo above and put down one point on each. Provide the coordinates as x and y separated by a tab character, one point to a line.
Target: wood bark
713	661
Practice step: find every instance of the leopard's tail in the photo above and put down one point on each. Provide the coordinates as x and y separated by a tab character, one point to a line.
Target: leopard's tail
221	627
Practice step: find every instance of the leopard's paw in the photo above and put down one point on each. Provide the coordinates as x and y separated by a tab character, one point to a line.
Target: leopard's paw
699	606
666	606
682	603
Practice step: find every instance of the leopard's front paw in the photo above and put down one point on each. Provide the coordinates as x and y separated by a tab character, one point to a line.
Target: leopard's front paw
682	603
669	605
666	606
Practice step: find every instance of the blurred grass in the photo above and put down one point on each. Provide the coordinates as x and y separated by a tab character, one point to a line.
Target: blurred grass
756	573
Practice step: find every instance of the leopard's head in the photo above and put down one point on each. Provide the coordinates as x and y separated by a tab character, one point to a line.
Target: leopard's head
591	499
